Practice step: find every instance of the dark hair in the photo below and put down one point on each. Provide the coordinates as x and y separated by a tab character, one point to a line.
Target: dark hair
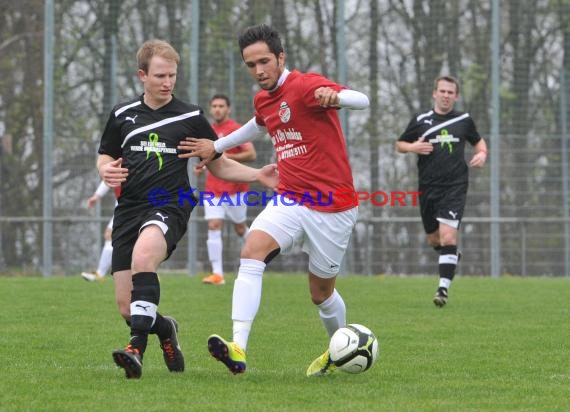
261	33
449	79
221	96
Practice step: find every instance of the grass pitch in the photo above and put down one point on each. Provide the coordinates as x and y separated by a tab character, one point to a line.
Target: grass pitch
499	345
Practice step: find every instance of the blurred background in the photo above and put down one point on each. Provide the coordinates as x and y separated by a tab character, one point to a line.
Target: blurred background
65	63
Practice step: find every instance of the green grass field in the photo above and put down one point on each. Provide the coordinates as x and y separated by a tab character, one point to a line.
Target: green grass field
499	345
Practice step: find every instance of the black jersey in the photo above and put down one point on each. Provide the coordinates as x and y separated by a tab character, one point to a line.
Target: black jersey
146	140
446	164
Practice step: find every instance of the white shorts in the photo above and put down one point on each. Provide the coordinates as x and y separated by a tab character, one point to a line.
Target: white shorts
323	236
235	212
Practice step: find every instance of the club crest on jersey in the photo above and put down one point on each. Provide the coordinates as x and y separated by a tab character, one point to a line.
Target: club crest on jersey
284	112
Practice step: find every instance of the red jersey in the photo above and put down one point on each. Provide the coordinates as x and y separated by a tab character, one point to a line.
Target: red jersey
219	186
310	148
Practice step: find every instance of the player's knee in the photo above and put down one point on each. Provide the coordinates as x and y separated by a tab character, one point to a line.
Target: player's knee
215	224
319	296
448	237
246	251
316	300
434	243
144	261
259	246
249	252
433	240
321	292
448	241
240	229
140	262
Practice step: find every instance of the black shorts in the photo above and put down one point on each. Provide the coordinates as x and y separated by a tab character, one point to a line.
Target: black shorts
129	220
441	202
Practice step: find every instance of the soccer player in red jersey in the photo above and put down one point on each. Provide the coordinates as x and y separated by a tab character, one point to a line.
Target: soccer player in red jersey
225	203
299	111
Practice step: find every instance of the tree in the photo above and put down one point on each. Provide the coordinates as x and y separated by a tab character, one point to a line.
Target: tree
21	117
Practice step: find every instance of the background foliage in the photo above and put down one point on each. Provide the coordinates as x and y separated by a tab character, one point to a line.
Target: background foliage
395	48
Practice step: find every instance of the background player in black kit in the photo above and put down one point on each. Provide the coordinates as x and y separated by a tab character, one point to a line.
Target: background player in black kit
438	136
138	152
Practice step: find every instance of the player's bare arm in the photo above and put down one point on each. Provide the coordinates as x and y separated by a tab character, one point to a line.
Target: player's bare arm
110	170
193	147
480	156
248	154
207	149
420	147
233	171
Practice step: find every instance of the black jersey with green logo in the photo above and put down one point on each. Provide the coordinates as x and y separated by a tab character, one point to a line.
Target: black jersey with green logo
448	133
146	140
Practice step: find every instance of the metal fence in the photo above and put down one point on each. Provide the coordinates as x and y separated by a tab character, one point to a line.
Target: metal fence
387	239
66	62
379	246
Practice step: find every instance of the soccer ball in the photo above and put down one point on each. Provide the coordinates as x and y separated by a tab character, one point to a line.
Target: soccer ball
353	348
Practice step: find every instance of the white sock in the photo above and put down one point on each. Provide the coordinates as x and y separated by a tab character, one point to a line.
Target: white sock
241	330
246	298
444	283
105	258
333	313
215	251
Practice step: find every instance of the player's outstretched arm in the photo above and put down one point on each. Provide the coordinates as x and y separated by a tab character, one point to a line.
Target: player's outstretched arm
233	171
194	147
350	99
206	149
247	154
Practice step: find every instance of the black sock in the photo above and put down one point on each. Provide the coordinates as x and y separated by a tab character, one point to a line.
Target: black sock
161	327
145	297
447	261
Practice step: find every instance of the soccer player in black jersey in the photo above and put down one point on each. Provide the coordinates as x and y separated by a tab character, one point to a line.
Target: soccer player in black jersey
438	137
138	151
